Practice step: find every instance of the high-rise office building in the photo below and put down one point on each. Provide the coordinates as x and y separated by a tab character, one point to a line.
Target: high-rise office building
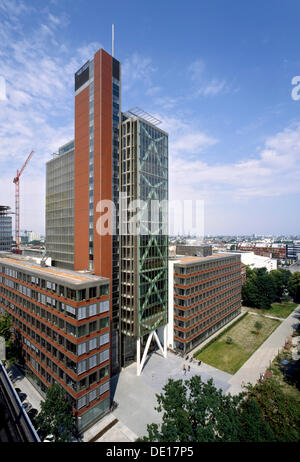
5	228
60	207
104	164
83	176
143	241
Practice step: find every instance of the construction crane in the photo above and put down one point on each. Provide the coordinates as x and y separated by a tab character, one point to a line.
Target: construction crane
17	199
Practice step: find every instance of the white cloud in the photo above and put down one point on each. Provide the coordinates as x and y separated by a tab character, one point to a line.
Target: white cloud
137	68
274	172
205	85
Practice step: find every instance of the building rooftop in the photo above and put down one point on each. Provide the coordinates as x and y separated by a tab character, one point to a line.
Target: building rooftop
190	260
52	273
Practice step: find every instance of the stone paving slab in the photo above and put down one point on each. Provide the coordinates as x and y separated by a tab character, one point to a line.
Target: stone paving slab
118	433
93	431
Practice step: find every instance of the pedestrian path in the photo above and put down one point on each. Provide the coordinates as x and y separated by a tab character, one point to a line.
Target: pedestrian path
262	358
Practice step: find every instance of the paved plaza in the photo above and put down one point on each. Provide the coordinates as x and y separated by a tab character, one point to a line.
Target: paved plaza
136	394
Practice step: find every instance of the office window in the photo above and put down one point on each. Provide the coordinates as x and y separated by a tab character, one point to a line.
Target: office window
104	355
93	309
104	339
82	312
92	395
81	348
104	306
104	322
104	387
82	366
93	361
93	344
81	402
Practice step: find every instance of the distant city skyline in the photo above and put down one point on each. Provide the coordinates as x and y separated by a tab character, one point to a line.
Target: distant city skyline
221	78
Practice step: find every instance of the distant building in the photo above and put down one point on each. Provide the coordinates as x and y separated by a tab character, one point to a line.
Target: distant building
204	295
257	261
278	251
5	228
33	236
202	250
293	251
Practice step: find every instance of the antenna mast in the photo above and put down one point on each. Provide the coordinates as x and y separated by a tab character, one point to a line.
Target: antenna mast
113	40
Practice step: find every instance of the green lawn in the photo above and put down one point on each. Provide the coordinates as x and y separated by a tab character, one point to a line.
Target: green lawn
245	340
282	310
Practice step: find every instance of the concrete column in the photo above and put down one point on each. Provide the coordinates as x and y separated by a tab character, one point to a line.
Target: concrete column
165	341
138	356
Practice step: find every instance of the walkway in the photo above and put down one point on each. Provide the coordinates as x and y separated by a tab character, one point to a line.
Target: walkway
262	358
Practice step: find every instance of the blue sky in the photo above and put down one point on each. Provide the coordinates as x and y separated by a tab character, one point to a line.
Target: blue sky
218	74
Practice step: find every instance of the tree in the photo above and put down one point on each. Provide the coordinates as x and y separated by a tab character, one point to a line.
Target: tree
258	325
259	290
195	411
5	326
56	416
279	409
281	280
294	286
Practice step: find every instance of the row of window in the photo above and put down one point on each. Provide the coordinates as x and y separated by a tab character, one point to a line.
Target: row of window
190	333
205	313
202	298
74	312
213	264
57	372
85	347
203	276
61	290
85	400
185	291
187	347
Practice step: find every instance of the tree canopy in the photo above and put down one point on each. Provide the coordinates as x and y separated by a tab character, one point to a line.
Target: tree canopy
196	411
279	409
56	416
261	288
5	326
294	286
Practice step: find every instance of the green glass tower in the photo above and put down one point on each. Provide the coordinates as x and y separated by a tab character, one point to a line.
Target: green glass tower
143	237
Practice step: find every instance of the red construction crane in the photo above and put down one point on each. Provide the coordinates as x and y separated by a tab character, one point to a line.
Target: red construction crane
17	198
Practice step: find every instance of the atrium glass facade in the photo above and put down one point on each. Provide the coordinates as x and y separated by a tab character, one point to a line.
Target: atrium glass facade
144	253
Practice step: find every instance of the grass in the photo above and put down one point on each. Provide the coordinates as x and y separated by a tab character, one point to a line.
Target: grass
245	340
281	310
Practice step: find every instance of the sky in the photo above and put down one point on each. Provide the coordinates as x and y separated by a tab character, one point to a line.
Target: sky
217	74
